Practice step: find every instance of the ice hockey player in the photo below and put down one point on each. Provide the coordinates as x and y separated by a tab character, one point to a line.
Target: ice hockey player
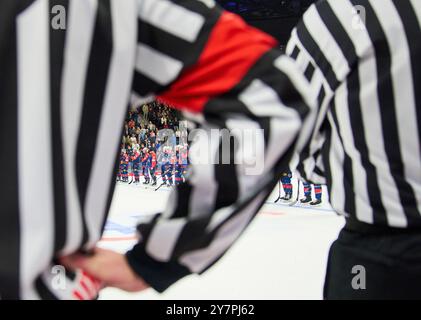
145	167
318	194
152	167
307	194
287	185
179	167
165	162
124	164
136	164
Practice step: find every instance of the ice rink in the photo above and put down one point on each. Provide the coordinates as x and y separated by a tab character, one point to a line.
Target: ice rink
282	255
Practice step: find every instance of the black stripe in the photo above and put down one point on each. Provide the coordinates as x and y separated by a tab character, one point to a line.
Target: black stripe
173	46
348	180
355	111
227	194
9	217
145	86
359	134
319	171
412	32
283	162
388	113
305	153
192	230
295	53
43	291
309	72
300	168
177	48
316	53
321	96
22	5
265	125
326	149
95	88
226	174
200	8
184	192
338	32
57	41
347	47
113	182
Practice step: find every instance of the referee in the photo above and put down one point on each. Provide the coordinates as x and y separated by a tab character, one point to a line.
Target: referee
350	76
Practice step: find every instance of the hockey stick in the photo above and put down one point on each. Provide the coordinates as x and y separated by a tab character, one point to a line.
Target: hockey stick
163	183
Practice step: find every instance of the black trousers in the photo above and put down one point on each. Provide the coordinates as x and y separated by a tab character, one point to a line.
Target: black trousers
374	264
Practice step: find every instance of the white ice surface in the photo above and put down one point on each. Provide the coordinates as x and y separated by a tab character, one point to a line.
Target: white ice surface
282	254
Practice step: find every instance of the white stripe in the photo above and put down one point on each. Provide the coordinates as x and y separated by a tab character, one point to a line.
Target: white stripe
318	82
203	195
198	260
288	66
336	164
263	101
302	60
326	42
170	208
405	106
171	18
77	49
363	209
313	163
291	43
249	154
157	66
34	145
117	96
282	134
371	116
163	238
165	234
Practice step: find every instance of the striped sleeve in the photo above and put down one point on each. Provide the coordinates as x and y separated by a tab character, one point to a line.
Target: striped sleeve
319	50
253	105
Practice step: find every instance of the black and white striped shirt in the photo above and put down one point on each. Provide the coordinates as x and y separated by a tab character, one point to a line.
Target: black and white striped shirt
356	66
371	110
63	97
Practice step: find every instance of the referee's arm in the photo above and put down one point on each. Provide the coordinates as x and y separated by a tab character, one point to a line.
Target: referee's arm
231	76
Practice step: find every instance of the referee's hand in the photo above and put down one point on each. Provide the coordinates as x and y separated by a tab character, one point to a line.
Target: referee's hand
109	267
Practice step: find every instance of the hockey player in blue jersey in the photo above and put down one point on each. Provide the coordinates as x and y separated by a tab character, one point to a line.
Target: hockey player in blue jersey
145	165
318	194
124	164
152	168
166	171
307	194
136	157
171	167
287	185
179	167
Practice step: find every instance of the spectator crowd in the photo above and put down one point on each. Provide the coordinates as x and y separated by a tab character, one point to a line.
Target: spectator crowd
153	144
